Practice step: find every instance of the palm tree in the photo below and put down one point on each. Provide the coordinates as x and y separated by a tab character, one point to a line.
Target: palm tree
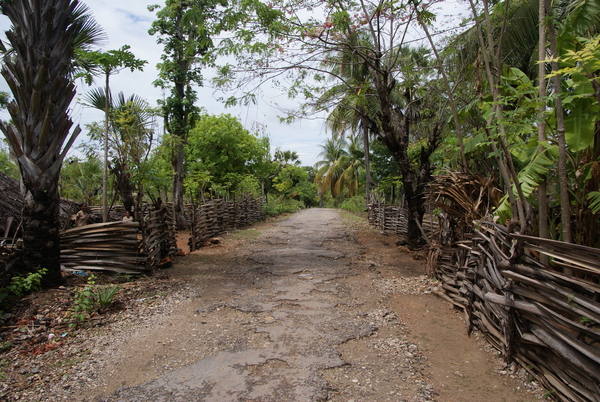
109	63
43	37
353	101
81	179
129	138
326	176
340	167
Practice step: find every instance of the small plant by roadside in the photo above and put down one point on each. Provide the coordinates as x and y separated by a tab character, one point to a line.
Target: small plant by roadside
20	286
90	298
105	295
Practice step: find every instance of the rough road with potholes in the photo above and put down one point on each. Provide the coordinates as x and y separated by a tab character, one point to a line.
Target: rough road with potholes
305	309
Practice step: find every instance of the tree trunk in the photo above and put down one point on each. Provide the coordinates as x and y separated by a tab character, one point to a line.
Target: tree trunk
542	188
505	164
41	237
124	186
178	209
105	170
565	206
367	162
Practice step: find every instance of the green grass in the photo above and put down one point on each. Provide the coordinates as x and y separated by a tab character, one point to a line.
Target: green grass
245	234
354	220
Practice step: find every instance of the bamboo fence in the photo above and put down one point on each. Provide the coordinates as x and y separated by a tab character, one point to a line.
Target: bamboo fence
217	217
126	247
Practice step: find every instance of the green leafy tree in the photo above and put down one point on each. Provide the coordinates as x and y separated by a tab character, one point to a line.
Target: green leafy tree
82	179
158	179
7	164
185	29
293	182
373	34
43	37
220	152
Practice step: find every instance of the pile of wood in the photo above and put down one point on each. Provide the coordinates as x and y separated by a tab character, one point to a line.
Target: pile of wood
217	217
126	247
547	318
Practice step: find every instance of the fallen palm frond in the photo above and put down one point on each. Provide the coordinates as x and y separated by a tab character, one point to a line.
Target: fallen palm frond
464	196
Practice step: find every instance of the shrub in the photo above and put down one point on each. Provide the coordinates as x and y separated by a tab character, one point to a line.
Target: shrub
281	205
354	204
20	286
105	295
92	297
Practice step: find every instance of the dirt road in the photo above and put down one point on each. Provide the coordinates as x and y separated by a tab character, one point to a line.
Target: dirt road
303	310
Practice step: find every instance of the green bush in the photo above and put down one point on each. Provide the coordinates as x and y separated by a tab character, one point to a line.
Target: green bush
354	204
281	205
20	286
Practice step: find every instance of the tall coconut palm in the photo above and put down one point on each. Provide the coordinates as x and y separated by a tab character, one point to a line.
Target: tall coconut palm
326	177
353	101
43	37
339	169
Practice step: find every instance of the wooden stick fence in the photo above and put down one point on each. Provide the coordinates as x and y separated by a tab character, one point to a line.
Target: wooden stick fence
127	247
545	316
217	217
394	219
540	316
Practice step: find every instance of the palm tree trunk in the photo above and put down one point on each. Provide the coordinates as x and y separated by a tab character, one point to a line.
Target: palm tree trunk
105	173
41	240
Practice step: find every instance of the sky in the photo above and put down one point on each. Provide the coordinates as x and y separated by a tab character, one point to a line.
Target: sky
127	22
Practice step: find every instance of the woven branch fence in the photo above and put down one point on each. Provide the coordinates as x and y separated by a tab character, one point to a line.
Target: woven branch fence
393	218
545	317
125	247
218	217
